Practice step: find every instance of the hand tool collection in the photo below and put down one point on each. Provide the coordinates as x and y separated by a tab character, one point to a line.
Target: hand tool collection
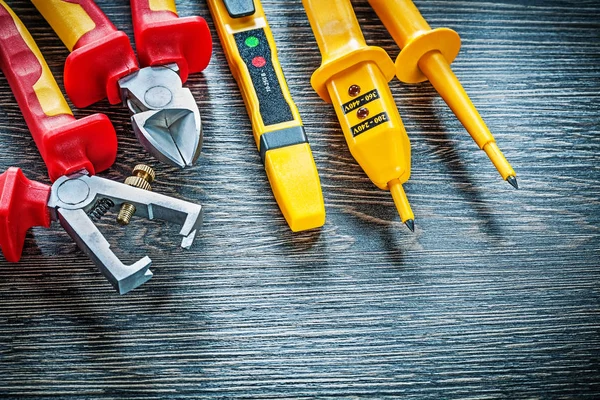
102	65
353	77
73	150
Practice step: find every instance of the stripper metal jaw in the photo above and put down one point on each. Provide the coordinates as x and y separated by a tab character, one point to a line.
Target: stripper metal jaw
165	116
75	196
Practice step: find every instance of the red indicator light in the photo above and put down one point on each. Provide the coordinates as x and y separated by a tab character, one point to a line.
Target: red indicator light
259	62
362	113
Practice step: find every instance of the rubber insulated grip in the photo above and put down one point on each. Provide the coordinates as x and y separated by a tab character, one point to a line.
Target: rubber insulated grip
66	144
23	205
161	37
101	55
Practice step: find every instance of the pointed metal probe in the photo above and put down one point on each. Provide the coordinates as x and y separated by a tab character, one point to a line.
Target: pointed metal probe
402	204
513	181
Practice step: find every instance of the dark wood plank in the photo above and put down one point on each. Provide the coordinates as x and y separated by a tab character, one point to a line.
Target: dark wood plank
496	295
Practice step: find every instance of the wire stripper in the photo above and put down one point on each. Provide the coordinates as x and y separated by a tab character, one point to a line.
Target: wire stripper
73	150
252	56
102	64
354	77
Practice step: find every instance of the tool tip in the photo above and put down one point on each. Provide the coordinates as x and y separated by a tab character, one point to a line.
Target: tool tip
513	181
410	223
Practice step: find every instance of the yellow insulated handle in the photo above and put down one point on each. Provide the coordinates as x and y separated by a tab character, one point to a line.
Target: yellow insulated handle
163	5
69	20
28	72
427	54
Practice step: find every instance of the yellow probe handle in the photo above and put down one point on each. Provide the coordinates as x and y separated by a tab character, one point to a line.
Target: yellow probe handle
427	54
354	77
252	56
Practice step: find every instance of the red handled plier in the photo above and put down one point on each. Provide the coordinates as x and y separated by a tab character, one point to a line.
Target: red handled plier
73	150
102	65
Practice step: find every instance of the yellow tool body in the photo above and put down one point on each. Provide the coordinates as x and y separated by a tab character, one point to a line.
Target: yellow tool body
252	56
426	55
354	78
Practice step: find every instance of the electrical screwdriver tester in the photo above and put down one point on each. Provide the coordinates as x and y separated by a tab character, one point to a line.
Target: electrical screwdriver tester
252	55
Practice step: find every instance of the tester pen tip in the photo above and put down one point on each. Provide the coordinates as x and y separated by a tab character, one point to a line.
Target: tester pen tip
410	223
513	181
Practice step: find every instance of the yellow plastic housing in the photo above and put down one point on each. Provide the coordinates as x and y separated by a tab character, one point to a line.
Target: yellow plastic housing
378	142
354	78
291	169
294	187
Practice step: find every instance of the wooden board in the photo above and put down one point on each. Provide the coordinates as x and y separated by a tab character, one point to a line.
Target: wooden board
496	295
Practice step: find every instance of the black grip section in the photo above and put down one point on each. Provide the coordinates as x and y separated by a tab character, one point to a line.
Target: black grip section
254	49
239	8
281	138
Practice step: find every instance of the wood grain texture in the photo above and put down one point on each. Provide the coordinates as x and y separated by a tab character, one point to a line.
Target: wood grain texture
496	295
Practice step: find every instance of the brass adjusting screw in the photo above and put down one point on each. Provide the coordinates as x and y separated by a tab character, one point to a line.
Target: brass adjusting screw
142	177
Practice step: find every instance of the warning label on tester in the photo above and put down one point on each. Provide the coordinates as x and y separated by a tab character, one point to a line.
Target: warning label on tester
369	124
361	101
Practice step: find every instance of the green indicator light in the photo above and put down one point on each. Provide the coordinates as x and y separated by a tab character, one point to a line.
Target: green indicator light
252	41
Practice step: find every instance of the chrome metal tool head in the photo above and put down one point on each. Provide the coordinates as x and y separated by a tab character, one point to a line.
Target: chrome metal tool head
74	202
165	116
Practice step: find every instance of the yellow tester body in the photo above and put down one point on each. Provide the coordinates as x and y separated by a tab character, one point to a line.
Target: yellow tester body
354	77
252	56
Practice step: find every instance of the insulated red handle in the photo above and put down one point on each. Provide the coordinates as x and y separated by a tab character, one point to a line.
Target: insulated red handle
161	37
101	55
23	204
66	144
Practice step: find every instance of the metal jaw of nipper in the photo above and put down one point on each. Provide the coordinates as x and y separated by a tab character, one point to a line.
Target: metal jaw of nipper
75	198
166	119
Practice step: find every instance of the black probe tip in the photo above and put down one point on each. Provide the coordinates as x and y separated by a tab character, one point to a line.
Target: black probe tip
513	181
410	224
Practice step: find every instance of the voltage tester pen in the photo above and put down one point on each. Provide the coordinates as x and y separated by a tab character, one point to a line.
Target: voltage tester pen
252	56
354	78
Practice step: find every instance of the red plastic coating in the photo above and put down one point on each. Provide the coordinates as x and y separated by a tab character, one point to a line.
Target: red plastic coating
161	37
66	144
99	59
23	204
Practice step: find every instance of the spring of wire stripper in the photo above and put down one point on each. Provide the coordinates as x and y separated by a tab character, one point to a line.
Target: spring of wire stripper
99	209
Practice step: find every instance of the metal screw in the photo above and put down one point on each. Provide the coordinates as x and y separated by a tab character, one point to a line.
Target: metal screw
142	177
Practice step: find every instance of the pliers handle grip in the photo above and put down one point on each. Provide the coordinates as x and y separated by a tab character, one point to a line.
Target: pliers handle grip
100	54
161	37
67	145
